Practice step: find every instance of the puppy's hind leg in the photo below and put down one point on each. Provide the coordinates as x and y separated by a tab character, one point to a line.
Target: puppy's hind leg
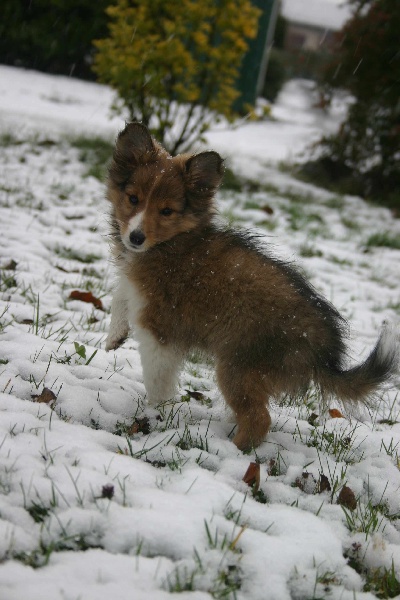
246	393
160	364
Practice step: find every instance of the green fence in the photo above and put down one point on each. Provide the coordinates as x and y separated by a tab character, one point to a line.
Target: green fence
254	66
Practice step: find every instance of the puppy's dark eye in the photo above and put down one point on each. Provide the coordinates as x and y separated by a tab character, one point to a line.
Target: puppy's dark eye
134	200
166	212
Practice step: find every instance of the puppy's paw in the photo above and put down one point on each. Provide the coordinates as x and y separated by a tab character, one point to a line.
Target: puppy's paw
154	402
113	344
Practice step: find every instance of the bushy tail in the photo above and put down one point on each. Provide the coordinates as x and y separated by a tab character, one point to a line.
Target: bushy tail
362	381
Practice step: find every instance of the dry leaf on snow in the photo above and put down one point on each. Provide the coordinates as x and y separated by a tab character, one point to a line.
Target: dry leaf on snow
347	498
252	476
47	396
86	297
335	413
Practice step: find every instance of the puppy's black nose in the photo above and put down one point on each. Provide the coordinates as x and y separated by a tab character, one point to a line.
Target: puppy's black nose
136	237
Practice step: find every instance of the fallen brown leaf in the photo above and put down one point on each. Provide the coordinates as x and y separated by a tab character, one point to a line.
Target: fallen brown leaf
86	297
335	413
252	476
323	484
140	426
107	491
347	498
47	396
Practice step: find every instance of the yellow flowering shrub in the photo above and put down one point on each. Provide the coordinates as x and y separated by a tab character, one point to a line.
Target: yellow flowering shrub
174	62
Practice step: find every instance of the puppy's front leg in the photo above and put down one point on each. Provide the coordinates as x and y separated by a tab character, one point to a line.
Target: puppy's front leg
160	364
119	326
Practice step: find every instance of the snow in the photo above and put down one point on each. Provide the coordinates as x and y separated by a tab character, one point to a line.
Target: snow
89	509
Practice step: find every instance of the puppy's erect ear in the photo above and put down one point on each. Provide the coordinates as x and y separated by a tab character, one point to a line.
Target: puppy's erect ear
204	173
134	141
134	146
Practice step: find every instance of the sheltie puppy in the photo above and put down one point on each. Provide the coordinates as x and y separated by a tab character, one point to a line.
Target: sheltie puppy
187	283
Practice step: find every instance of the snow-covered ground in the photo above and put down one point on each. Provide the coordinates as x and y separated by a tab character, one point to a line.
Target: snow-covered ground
101	497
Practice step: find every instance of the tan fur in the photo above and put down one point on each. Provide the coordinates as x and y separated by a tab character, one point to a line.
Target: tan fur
199	286
159	185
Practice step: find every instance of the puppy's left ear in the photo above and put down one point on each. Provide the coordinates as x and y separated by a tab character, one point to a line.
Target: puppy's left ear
134	143
203	173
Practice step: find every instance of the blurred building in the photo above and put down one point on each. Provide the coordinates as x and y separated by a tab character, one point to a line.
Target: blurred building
311	24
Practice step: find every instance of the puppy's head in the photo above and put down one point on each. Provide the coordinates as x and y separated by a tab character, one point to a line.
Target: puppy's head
156	196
